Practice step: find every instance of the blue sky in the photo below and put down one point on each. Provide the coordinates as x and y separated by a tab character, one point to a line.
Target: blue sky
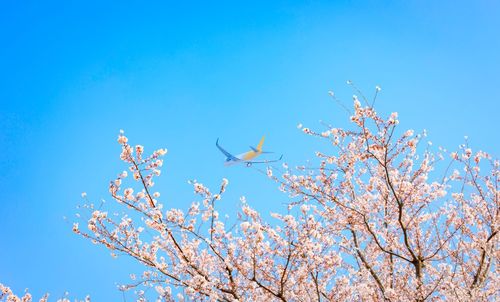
180	75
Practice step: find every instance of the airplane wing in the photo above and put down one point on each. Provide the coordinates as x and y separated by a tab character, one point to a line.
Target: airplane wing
227	154
265	161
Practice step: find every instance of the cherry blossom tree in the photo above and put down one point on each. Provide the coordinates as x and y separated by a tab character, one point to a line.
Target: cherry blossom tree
380	218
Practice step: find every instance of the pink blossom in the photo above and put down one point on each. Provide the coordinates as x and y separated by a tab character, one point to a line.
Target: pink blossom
122	139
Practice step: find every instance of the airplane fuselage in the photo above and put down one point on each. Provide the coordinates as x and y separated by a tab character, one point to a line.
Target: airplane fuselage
243	157
249	155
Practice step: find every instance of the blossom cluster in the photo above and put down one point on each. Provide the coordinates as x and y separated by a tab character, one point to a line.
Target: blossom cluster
7	295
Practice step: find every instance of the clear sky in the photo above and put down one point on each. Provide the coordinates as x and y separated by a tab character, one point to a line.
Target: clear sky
72	73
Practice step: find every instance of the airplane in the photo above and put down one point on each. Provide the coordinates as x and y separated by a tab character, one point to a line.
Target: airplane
247	156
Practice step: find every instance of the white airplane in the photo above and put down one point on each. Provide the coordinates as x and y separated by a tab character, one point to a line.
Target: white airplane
247	156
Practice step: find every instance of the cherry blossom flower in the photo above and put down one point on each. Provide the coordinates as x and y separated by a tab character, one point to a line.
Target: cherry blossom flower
122	139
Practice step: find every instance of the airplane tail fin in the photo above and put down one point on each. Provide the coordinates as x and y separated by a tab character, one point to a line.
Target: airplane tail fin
259	146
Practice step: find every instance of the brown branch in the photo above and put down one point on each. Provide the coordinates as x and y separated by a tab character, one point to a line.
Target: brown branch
288	258
374	236
367	265
477	276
